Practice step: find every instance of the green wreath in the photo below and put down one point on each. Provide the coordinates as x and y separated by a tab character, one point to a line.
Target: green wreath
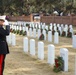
59	64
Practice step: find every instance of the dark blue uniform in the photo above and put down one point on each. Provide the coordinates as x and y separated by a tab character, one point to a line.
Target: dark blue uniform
3	46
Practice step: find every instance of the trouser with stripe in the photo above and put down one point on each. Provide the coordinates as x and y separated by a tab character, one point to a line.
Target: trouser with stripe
2	63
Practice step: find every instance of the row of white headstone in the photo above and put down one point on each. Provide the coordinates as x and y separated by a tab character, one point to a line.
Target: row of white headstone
51	52
41	25
61	27
56	37
35	34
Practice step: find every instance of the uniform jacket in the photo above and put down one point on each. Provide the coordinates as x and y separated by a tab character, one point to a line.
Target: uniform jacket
3	44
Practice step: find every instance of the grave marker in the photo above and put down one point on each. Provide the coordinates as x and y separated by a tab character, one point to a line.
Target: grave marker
44	32
13	39
51	54
41	50
39	33
32	47
56	38
50	36
64	55
74	41
25	44
34	33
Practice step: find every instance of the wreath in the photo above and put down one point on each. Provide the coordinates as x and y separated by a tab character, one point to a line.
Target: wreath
14	31
11	30
24	33
49	29
59	64
69	34
74	33
63	33
53	32
58	32
17	32
21	32
41	37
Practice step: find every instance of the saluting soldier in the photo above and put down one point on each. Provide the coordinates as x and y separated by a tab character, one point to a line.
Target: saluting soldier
3	43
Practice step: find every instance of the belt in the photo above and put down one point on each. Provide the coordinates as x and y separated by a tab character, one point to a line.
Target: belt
2	40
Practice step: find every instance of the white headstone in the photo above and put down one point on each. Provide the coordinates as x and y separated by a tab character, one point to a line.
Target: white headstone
71	30
12	26
64	55
55	28
51	54
62	26
36	25
39	26
30	32
27	31
20	28
39	33
70	26
51	28
43	26
13	39
41	50
25	25
44	32
32	47
34	33
50	36
66	26
58	25
56	38
17	27
60	30
74	41
9	39
54	24
23	28
25	44
50	23
46	27
30	25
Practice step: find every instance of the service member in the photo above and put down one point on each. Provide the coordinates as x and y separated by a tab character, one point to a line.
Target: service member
3	43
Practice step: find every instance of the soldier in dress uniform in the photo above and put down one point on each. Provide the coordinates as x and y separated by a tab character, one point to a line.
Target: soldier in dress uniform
3	43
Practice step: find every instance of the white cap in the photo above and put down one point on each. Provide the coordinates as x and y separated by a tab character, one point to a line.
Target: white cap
3	17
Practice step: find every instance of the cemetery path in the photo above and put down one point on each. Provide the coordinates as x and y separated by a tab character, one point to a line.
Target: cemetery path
19	63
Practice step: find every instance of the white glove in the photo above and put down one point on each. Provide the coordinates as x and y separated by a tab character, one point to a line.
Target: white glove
6	22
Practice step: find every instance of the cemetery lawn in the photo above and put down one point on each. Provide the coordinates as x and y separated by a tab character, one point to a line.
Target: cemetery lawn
19	63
